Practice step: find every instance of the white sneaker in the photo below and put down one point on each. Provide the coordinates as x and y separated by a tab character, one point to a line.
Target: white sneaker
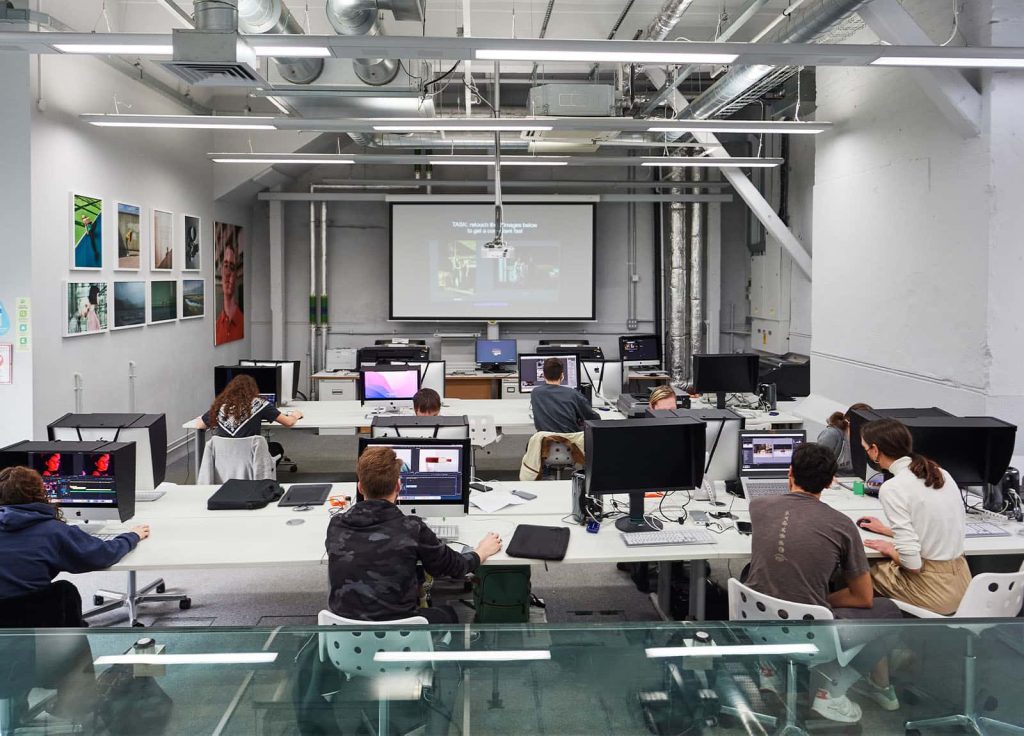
769	678
884	697
841	709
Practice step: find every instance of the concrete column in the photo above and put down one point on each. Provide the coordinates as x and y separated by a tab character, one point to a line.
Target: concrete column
16	246
277	321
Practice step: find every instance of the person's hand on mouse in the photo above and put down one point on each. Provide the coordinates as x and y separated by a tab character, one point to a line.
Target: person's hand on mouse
489	545
142	530
872	524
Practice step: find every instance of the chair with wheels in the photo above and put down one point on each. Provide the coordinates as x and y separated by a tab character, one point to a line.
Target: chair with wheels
236	458
990	595
353	653
746	604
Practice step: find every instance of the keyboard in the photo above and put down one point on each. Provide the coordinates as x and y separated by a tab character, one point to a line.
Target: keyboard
445	532
105	536
984	529
148	495
754	487
676	536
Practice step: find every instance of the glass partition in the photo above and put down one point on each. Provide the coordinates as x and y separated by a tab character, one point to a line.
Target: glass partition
676	678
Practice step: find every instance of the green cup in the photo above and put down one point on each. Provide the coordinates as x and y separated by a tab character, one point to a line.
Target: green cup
858	488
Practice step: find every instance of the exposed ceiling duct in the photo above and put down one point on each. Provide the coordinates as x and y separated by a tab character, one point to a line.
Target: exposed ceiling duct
211	54
272	16
666	19
362	18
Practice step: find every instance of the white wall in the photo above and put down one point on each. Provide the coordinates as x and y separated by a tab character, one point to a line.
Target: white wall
166	169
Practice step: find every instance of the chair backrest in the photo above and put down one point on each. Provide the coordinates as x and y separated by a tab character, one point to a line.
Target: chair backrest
993	595
352	650
236	458
559	456
482	431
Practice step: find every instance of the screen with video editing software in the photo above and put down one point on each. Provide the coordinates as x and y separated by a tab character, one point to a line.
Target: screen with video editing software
390	385
430	472
77	478
763	452
531	370
637	348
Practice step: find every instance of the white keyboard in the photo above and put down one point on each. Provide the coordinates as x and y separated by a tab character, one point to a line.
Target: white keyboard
985	529
105	536
142	496
445	532
754	487
676	536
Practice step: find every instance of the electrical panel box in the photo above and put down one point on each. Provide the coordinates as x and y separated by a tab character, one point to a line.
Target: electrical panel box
572	100
770	299
510	388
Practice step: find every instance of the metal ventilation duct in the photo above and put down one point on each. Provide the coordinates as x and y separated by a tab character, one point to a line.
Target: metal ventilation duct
669	15
272	16
210	54
362	18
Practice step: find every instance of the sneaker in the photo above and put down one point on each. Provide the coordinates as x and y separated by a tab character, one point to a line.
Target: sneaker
884	697
769	678
841	709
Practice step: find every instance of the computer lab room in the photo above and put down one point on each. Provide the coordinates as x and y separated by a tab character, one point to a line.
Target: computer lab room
449	367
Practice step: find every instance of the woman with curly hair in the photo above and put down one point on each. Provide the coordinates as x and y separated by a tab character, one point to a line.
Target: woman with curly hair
238	410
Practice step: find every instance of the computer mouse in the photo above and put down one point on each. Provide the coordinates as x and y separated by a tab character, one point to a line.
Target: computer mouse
773	413
295	522
603	408
863	522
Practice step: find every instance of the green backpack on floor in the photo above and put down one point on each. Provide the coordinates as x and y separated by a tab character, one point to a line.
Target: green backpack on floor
501	594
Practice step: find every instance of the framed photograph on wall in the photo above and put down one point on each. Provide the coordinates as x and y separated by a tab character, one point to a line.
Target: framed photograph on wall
163	301
86	232
129	237
229	265
163	241
85	307
193	244
7	363
193	298
129	305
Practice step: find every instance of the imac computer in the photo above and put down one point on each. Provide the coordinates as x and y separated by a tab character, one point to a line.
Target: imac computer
147	431
432	373
290	372
583	352
642	349
630	456
391	354
435	474
531	371
606	378
92	482
394	386
444	428
267	377
496	356
721	439
725	374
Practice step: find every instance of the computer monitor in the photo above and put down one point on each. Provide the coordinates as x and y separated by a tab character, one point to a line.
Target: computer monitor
563	342
640	348
267	377
396	385
391	353
767	454
432	373
606	378
147	431
446	428
92	482
583	352
290	371
531	371
435	474
860	417
721	439
495	355
724	374
636	456
792	380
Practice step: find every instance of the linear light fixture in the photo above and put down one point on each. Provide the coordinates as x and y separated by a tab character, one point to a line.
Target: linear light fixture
207	122
780	127
140	49
293	52
717	163
505	161
283	160
225	658
466	656
648	57
460	126
963	62
731	651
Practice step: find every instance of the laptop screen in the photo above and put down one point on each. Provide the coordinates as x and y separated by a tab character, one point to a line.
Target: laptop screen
768	454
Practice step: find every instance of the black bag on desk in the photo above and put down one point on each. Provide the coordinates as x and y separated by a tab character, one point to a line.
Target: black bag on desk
539	542
244	494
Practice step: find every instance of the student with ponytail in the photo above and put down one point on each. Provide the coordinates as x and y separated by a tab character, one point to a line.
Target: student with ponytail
836	437
926	565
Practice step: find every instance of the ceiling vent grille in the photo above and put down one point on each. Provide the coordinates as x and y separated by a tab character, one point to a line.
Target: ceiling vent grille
220	74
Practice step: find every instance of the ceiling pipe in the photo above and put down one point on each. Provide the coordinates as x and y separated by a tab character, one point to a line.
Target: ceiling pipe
666	19
273	16
362	18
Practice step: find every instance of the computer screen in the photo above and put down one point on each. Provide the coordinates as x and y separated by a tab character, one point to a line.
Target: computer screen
77	479
147	431
768	453
640	348
496	352
531	371
725	373
721	438
434	476
860	417
446	427
395	383
267	377
289	375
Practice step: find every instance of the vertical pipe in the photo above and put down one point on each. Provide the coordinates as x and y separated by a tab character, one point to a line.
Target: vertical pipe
696	264
324	311
78	392
678	293
131	386
312	287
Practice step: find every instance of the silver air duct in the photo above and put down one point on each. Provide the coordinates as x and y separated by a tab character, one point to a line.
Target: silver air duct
216	15
272	16
678	292
696	254
669	15
362	18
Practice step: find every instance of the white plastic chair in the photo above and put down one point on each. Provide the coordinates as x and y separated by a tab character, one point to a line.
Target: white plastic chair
990	595
746	604
352	653
482	431
559	458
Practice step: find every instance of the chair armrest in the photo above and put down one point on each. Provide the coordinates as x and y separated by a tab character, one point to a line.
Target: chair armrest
915	611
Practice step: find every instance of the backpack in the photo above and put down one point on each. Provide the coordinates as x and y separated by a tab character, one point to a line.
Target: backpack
501	594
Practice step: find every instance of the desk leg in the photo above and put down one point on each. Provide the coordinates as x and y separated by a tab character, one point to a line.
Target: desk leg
667	573
698	589
199	438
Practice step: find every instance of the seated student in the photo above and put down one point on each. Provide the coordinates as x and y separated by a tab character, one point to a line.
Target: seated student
238	410
426	403
558	408
798	543
926	565
373	549
35	543
836	437
662	397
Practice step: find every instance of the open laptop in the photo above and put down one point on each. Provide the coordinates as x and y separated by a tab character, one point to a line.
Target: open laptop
764	461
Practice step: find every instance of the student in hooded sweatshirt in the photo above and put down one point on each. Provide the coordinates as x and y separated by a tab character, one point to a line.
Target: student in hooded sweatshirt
35	543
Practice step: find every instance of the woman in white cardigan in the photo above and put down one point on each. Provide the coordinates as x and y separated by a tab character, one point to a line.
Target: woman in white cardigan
926	565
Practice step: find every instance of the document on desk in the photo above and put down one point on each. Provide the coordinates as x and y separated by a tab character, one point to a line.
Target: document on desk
494	500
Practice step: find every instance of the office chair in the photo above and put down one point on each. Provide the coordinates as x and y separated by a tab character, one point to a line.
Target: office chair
990	595
559	458
241	458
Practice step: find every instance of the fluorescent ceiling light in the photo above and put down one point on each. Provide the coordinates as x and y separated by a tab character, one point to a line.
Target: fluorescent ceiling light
718	163
141	49
440	126
733	651
520	161
954	61
293	52
787	129
467	656
206	126
208	122
282	160
226	658
650	57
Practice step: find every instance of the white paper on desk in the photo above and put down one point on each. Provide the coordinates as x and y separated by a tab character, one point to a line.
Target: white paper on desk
494	500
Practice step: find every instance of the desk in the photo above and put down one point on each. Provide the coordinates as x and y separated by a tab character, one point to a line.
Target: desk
341	385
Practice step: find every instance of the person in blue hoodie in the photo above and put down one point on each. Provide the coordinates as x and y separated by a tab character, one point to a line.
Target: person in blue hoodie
35	543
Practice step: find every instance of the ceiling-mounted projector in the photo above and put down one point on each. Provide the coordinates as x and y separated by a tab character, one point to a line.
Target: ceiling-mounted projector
496	248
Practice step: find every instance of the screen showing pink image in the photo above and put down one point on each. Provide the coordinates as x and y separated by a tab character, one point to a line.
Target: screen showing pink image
439	461
385	385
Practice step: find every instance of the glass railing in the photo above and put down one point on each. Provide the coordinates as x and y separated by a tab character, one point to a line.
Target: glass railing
626	679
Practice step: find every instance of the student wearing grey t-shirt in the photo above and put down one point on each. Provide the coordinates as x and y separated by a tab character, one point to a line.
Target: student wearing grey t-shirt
798	544
558	408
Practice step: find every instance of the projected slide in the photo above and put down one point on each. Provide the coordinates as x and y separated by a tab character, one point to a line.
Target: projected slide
439	270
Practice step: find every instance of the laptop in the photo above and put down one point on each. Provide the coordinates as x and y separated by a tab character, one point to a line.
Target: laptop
764	461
